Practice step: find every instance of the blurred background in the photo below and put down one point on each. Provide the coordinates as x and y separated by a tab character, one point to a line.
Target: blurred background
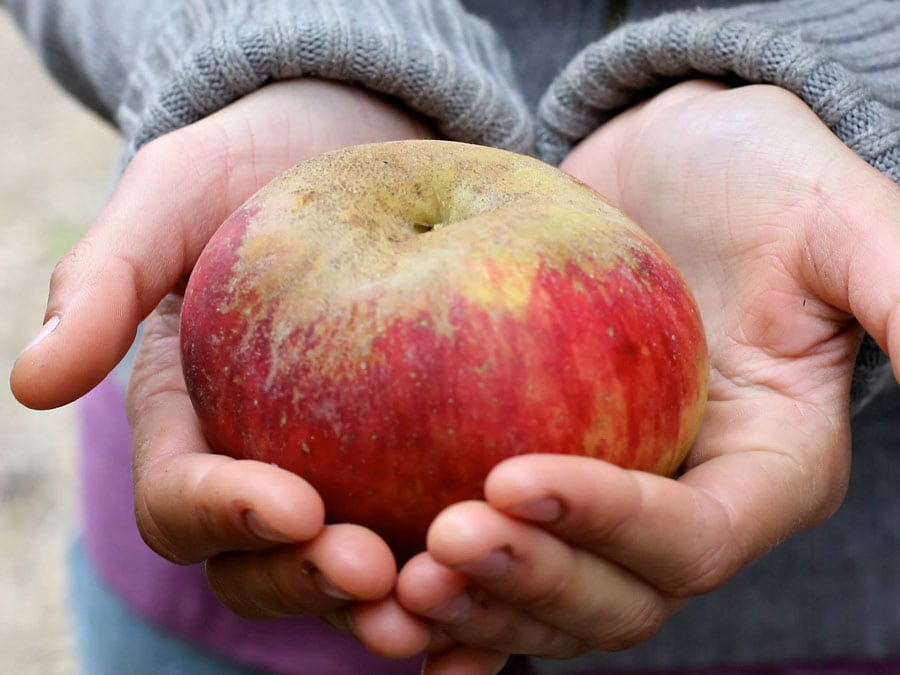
56	165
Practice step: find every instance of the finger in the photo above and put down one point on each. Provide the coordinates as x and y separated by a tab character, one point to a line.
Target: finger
434	590
465	615
854	244
666	533
388	629
191	504
145	240
342	564
465	661
190	507
542	594
758	476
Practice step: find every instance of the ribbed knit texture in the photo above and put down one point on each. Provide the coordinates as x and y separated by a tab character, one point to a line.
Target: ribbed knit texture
167	64
835	55
439	61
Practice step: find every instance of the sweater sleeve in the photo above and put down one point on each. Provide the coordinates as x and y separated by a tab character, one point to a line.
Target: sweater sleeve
153	66
839	56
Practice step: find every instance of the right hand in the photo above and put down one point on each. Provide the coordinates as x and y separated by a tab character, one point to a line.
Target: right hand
259	528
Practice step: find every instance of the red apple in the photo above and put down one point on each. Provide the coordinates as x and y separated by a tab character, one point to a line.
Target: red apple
390	321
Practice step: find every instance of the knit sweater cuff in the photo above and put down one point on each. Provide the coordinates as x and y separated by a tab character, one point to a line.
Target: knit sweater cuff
840	61
832	63
429	54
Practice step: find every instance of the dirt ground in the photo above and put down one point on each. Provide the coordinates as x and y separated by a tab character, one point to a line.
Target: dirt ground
56	161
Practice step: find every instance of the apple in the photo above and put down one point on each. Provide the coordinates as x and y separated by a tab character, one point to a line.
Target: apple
390	321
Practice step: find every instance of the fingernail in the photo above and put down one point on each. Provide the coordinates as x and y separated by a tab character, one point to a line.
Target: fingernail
48	327
259	527
455	610
543	510
324	584
491	566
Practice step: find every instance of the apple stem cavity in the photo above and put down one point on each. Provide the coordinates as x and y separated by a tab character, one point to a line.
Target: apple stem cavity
422	228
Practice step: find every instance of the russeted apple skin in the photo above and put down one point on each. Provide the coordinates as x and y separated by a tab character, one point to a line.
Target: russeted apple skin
390	321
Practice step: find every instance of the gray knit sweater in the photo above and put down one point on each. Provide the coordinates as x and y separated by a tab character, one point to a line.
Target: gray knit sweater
536	76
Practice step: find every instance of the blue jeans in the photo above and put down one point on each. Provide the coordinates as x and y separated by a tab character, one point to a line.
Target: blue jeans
112	639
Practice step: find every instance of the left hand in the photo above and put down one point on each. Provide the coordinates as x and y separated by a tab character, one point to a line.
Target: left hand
791	245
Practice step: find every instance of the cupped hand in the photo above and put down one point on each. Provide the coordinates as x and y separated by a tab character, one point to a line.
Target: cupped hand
790	243
259	528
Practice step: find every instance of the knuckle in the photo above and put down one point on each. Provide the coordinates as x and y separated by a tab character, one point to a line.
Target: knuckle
227	577
832	478
547	596
68	266
171	518
712	558
830	504
489	630
643	622
265	584
283	596
706	573
258	585
220	578
562	646
552	644
155	153
489	627
155	534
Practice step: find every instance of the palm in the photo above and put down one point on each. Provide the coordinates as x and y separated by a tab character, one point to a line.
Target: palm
744	207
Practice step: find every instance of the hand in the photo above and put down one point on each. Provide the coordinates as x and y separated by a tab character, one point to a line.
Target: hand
259	528
790	243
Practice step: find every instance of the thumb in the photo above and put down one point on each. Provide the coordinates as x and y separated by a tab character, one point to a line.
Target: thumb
854	251
176	192
141	245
